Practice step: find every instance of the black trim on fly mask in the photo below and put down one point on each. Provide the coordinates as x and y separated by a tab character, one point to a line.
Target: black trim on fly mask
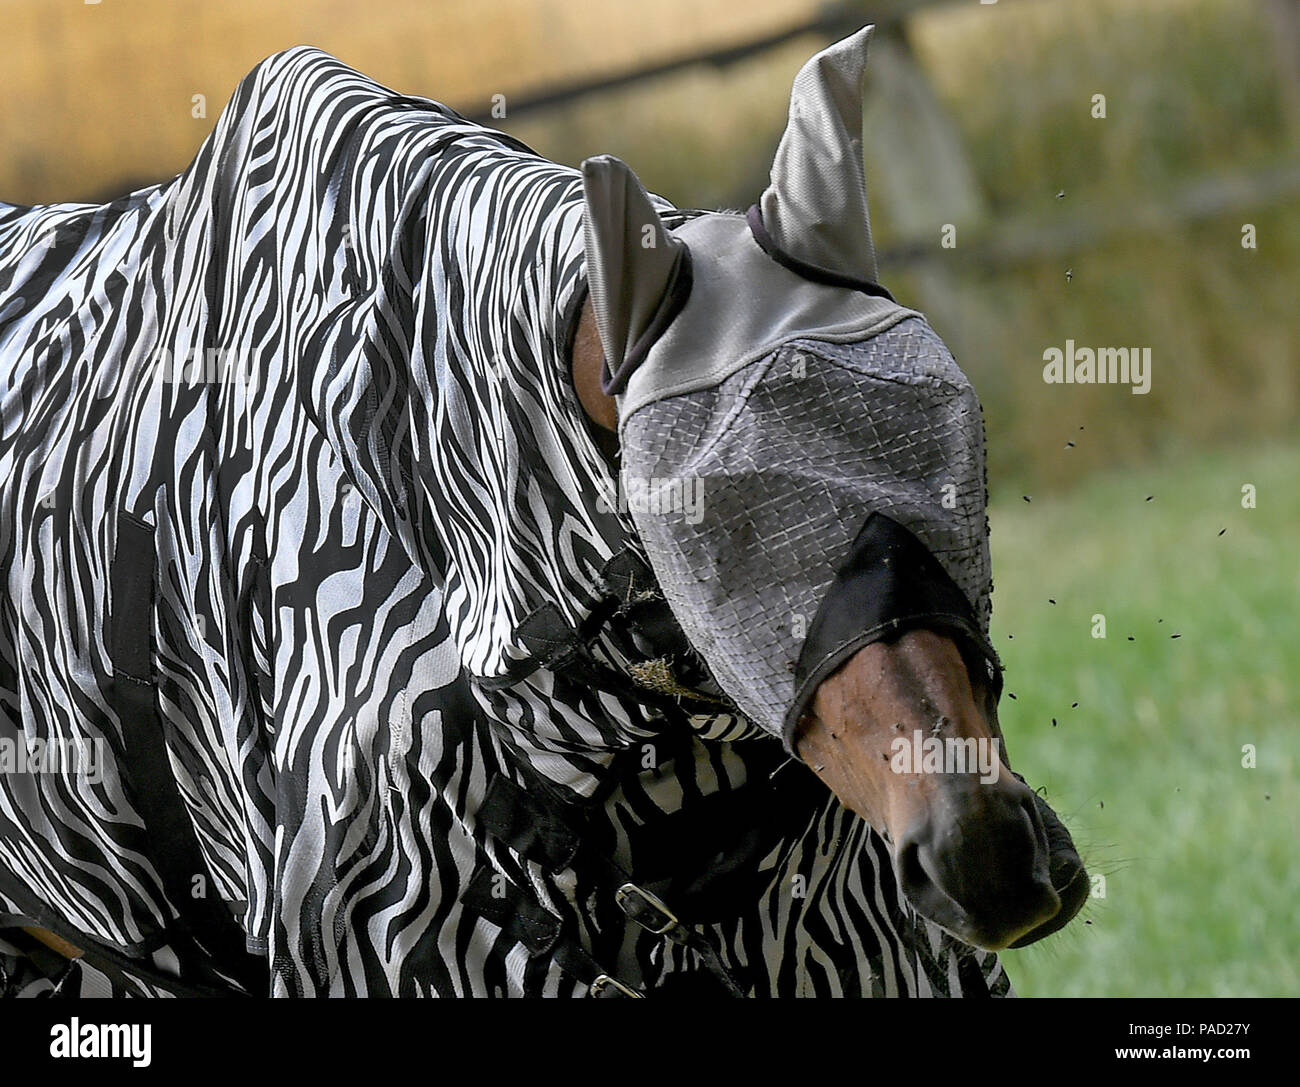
814	272
890	583
205	927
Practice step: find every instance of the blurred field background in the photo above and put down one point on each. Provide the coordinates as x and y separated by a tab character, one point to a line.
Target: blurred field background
1122	231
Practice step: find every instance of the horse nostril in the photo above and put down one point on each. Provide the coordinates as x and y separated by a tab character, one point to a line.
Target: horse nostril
1068	875
921	887
930	874
1029	806
908	868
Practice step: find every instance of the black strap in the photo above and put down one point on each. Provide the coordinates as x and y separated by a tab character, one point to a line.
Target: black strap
173	846
525	920
512	815
542	828
123	969
654	916
708	856
708	852
632	610
553	838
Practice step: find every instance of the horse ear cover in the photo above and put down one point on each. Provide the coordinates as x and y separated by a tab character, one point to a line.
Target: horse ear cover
637	272
815	208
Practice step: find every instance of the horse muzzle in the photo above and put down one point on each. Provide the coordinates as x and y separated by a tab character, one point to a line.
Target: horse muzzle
991	864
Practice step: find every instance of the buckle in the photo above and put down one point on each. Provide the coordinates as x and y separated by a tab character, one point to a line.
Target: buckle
645	909
604	982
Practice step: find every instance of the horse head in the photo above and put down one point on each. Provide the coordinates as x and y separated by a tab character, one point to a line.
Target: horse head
837	584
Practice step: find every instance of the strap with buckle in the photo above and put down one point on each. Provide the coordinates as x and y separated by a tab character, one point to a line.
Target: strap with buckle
519	914
648	911
606	986
544	834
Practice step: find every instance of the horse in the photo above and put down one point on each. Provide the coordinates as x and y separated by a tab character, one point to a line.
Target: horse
337	527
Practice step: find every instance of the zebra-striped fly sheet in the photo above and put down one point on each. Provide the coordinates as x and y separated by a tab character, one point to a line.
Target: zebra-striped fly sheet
324	373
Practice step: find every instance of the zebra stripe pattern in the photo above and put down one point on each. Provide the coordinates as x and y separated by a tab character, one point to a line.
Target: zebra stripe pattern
326	366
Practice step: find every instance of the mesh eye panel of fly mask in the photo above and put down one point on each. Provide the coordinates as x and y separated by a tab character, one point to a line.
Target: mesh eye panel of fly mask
802	457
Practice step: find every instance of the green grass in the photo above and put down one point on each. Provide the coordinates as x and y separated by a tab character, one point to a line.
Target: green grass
1199	854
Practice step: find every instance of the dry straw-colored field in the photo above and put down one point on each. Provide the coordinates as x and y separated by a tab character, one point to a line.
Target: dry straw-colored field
97	95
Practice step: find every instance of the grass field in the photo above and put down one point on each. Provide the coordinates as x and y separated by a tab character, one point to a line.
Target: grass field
1199	854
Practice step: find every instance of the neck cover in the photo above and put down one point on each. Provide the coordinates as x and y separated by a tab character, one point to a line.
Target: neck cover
802	457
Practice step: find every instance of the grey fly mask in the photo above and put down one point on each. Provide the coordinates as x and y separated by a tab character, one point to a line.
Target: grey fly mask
801	456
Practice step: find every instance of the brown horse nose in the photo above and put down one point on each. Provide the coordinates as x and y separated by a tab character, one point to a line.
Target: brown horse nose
978	864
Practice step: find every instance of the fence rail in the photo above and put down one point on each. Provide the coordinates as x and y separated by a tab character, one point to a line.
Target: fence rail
1006	242
919	125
